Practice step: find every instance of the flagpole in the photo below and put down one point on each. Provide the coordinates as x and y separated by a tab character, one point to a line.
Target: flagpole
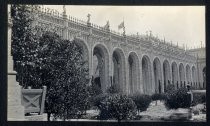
123	27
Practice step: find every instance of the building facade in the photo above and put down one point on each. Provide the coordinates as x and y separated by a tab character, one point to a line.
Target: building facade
200	54
137	63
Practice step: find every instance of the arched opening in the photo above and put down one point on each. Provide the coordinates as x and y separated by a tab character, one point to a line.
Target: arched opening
204	77
166	73
181	74
188	74
146	75
157	75
133	63
174	74
119	69
101	66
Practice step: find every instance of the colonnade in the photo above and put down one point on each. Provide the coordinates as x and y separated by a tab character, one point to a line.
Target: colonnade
133	72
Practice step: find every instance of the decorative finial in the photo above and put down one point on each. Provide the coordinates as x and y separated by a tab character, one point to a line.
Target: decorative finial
88	16
147	33
150	33
64	12
201	44
124	31
64	9
107	26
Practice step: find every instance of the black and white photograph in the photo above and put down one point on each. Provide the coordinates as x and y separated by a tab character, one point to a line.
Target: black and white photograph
106	63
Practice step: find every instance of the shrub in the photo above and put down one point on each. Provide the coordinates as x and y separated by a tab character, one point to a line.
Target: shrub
198	98
117	106
142	101
94	90
177	99
113	89
158	96
169	87
96	100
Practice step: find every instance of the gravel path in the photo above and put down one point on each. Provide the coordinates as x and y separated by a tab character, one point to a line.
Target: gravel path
155	112
158	111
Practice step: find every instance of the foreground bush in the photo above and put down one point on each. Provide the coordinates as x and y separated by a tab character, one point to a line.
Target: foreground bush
94	90
142	101
198	98
117	106
158	96
177	99
96	100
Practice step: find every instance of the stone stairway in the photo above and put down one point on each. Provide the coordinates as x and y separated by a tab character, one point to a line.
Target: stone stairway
15	111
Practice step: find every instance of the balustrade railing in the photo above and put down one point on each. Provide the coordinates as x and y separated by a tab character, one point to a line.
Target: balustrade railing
54	16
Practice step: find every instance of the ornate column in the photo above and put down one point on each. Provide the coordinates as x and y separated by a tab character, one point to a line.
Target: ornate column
162	77
110	60
90	60
178	76
141	87
15	111
127	86
153	86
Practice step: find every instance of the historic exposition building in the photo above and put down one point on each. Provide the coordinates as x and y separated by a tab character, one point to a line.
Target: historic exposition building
137	63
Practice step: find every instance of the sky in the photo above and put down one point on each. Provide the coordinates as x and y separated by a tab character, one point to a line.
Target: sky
184	25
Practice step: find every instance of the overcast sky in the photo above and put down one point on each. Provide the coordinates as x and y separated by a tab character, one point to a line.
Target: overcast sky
182	24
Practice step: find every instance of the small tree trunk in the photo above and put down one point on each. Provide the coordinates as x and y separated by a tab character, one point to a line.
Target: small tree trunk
48	116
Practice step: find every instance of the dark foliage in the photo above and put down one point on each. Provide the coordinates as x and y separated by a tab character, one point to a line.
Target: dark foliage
43	58
117	106
142	101
94	90
96	100
113	89
198	98
158	96
169	88
177	99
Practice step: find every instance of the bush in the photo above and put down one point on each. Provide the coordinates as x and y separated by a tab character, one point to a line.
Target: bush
169	87
198	98
177	99
117	106
158	96
142	101
96	100
113	89
94	90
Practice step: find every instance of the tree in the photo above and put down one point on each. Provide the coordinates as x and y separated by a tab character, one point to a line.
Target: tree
64	62
42	58
24	43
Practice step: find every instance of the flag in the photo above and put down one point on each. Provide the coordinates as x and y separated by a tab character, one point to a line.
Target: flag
121	25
